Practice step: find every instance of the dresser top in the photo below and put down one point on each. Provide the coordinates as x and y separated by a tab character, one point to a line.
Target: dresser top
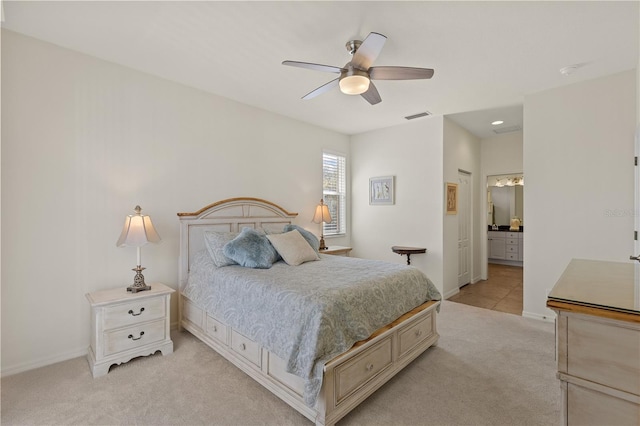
122	295
598	286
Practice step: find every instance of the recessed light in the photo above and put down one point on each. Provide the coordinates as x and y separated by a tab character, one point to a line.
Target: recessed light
495	123
569	70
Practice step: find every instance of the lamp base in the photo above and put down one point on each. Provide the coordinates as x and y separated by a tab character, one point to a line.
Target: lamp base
322	246
138	281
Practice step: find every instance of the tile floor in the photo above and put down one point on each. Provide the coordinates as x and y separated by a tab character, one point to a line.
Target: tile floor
501	292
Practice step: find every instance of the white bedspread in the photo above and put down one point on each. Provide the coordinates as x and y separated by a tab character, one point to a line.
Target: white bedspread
310	313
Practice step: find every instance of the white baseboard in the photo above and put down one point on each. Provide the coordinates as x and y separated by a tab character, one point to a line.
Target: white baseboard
476	279
42	362
451	293
547	318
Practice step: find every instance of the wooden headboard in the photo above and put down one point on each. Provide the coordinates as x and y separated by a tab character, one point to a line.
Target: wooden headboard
229	215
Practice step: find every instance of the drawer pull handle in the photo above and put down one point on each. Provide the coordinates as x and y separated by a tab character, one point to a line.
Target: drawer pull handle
243	346
369	367
418	333
135	315
136	338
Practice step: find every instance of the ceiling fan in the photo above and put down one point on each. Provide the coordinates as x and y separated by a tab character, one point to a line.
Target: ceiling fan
355	77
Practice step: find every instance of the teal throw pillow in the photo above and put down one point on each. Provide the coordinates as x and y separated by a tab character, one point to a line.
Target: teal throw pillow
251	249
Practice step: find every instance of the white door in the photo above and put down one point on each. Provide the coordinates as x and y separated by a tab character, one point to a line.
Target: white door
637	197
464	228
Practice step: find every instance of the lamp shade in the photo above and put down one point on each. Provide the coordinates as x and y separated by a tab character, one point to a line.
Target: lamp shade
322	213
138	230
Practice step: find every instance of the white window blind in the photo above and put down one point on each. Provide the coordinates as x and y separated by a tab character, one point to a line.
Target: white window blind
334	191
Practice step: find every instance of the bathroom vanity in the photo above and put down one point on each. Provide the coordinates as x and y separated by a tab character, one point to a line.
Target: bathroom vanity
505	247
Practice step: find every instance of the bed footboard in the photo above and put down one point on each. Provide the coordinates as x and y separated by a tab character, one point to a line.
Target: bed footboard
348	378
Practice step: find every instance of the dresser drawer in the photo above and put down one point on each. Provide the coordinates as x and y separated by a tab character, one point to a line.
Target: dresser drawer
357	371
216	330
587	407
133	337
513	235
245	347
512	241
133	312
512	249
604	352
512	256
414	334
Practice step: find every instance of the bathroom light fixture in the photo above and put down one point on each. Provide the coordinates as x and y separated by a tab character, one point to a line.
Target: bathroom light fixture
497	122
510	181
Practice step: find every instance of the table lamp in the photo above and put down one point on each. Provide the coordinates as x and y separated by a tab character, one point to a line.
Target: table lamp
322	215
138	230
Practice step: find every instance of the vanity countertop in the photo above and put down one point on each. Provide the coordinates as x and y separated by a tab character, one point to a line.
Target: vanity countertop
504	228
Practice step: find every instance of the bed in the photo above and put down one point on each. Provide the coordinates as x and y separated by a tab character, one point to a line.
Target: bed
323	381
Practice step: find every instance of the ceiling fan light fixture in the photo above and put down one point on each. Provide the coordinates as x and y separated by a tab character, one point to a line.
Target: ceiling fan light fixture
354	84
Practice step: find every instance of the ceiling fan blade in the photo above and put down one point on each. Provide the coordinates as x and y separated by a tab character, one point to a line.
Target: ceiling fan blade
322	89
315	67
399	73
368	51
371	95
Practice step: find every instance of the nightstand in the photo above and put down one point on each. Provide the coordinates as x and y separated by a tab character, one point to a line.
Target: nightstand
127	325
337	251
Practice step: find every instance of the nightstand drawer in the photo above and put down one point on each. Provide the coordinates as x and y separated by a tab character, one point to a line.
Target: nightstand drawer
133	337
133	312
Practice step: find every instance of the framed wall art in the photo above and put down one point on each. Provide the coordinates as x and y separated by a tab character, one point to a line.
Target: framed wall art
452	198
381	190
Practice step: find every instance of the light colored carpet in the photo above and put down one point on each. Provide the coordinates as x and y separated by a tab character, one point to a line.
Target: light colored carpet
490	368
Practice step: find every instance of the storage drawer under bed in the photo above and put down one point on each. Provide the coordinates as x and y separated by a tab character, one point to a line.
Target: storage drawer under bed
354	373
414	334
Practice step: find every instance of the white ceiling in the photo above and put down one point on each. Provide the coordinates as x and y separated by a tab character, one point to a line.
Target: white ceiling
486	55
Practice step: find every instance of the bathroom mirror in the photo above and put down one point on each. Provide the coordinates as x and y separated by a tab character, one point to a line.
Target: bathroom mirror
505	199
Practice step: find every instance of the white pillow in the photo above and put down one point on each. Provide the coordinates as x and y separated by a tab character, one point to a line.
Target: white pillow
215	242
293	248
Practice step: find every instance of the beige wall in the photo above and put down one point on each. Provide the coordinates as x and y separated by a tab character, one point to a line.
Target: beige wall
413	154
83	142
579	179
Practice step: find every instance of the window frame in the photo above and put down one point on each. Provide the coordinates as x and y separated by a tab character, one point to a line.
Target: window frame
338	225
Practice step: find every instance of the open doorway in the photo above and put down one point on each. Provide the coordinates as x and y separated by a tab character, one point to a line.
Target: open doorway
503	288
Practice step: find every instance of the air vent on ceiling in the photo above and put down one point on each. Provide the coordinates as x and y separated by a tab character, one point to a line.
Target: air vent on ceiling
418	115
507	129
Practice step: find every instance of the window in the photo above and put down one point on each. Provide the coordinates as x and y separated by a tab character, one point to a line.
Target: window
334	191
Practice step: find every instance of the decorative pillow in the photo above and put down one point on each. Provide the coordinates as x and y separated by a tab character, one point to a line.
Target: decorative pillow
311	239
215	241
251	249
293	248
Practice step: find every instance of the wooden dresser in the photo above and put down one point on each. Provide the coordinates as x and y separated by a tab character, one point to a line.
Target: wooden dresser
598	342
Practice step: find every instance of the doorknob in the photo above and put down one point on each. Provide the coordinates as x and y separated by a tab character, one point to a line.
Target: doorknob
635	258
